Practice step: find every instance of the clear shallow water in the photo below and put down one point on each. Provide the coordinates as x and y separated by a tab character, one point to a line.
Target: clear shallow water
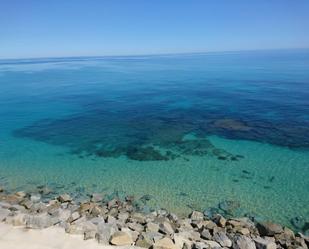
193	131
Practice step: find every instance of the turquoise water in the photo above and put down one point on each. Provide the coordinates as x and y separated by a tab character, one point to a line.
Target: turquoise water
195	131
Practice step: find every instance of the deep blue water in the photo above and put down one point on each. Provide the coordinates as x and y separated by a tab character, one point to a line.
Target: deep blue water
192	130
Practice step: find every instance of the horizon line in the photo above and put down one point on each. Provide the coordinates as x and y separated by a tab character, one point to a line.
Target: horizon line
148	54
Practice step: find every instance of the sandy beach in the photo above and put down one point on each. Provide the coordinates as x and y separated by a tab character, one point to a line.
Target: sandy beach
50	238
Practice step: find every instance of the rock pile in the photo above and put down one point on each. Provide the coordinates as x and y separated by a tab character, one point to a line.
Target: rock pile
119	222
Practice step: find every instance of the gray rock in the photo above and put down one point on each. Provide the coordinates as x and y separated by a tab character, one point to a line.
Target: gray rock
63	214
268	228
136	227
173	217
139	218
264	244
38	208
89	234
142	242
96	197
95	211
26	203
104	232
82	227
219	220
205	234
222	239
190	234
182	242
74	216
40	221
166	228
45	190
64	198
152	236
35	197
243	242
133	234
208	244
152	227
123	216
195	216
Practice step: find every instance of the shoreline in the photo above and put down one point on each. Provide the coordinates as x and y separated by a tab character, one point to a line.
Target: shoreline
121	222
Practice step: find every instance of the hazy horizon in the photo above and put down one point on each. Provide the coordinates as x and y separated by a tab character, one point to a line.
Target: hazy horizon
155	54
35	29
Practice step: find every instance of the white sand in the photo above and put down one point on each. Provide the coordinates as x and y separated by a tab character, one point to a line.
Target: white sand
50	238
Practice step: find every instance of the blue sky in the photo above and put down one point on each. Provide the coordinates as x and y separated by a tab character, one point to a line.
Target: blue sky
36	28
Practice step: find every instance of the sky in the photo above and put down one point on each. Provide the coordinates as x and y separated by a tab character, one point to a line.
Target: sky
56	28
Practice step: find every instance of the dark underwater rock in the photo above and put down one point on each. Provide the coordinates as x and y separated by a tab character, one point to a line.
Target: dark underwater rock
230	207
145	154
231	124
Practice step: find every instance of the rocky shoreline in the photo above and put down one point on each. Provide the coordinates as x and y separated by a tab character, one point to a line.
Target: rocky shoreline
119	222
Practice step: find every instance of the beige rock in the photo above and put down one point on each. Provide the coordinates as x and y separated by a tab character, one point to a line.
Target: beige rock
144	242
64	198
165	243
152	227
242	230
195	215
121	238
138	217
212	244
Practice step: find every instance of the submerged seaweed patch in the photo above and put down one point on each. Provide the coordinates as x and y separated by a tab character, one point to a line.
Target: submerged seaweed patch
109	134
146	130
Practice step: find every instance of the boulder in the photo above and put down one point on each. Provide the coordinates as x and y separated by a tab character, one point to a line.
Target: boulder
40	221
195	216
139	218
26	203
181	241
96	197
142	242
64	198
123	216
121	238
74	216
21	194
205	234
35	197
95	211
104	232
264	244
219	220
166	228
210	244
90	234
243	242
83	227
165	243
136	227
152	236
268	228
222	239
